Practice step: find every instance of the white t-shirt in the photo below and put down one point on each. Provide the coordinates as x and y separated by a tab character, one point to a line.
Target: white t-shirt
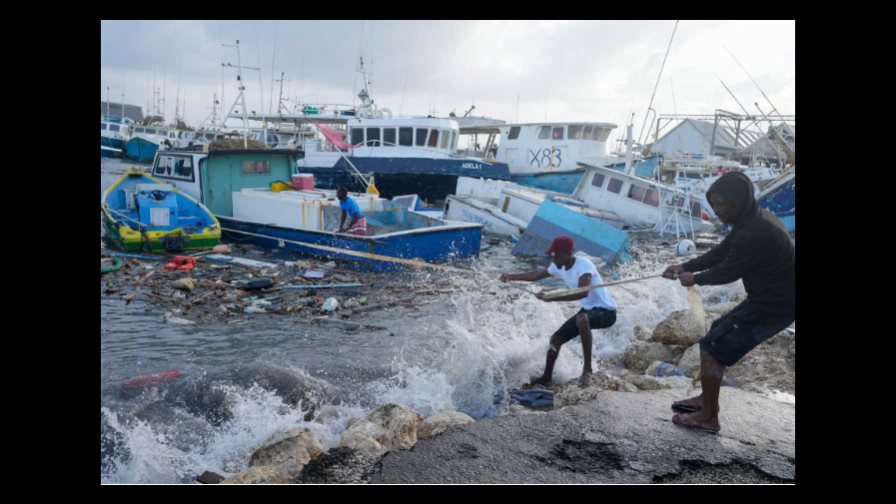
597	298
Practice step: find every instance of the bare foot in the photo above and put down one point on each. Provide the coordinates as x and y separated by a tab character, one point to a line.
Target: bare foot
540	380
585	379
697	421
688	405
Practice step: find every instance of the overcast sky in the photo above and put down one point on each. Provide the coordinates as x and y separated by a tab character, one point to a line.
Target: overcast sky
517	71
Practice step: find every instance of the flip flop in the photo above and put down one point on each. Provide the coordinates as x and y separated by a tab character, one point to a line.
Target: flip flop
676	421
683	408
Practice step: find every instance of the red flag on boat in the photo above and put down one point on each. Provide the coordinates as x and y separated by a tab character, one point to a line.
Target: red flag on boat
333	136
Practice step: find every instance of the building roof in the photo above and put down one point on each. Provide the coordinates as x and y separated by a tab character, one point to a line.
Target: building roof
132	112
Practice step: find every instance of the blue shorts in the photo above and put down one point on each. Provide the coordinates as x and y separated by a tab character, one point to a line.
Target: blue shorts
599	318
741	330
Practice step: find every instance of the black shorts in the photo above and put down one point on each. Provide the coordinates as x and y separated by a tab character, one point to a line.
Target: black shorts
599	318
740	330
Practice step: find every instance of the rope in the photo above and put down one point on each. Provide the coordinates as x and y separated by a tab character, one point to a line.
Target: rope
578	290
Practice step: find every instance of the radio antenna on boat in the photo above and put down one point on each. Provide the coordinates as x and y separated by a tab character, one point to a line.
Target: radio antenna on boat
240	98
650	105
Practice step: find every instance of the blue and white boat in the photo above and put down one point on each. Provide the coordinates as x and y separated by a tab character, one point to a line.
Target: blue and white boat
141	213
403	154
113	135
541	155
779	197
238	186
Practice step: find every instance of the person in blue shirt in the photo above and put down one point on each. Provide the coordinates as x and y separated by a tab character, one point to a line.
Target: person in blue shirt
357	222
598	308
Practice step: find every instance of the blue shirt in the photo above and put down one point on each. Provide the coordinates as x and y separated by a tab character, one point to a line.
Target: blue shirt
351	208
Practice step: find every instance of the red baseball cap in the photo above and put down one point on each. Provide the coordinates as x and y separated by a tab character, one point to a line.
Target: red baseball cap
560	244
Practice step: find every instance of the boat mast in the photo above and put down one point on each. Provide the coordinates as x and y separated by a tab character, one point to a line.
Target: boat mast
240	98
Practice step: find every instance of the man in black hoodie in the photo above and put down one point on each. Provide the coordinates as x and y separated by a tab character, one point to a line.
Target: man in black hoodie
757	250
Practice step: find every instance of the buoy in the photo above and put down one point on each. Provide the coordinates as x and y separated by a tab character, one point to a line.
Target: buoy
685	248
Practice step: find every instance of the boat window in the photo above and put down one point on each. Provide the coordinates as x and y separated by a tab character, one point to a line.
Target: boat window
696	210
150	131
544	133
102	126
575	132
615	185
557	134
598	180
389	136
184	168
406	136
256	167
176	167
600	134
357	136
514	133
114	127
433	138
373	137
637	193
652	197
421	137
139	130
446	135
587	133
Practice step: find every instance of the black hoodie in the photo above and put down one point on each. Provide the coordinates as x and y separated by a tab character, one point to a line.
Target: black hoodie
757	250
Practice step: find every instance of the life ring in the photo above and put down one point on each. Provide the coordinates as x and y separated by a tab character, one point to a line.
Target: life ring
115	266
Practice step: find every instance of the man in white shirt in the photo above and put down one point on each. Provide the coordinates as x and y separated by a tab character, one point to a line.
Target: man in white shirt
598	308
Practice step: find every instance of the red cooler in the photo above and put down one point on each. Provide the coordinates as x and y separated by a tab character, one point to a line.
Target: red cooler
303	181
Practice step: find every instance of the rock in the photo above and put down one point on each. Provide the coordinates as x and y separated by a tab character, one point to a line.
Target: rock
392	426
257	475
644	382
679	328
288	450
570	393
340	465
298	398
641	334
639	355
441	421
210	478
690	361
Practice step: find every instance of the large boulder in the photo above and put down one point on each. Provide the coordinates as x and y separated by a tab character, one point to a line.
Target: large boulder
391	426
288	451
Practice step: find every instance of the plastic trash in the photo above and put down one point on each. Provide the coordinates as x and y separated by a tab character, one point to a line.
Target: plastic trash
666	369
330	305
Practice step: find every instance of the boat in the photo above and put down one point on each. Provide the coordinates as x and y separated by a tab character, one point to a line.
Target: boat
142	213
779	197
403	155
244	188
540	155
